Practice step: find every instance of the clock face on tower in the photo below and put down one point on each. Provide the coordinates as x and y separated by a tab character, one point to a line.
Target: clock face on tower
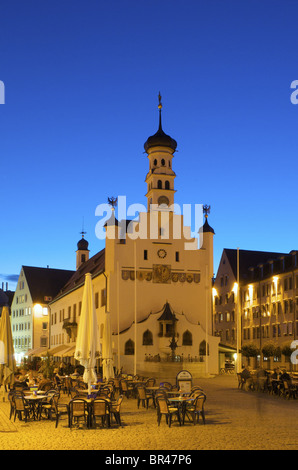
162	253
163	200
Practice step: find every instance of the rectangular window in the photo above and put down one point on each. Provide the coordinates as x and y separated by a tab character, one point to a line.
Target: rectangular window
145	254
103	297
177	256
96	300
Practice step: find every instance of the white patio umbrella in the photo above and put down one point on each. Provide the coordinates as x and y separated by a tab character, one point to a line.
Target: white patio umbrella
87	344
7	359
107	352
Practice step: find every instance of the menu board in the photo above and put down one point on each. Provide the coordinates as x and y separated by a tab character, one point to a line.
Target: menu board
184	381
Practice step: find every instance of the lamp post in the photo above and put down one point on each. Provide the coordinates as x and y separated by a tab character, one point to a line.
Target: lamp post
236	290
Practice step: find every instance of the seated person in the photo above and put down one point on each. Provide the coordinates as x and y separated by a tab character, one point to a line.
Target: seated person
42	383
31	379
76	373
285	376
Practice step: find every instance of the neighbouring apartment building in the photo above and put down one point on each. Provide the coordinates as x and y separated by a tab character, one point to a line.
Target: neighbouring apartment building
268	303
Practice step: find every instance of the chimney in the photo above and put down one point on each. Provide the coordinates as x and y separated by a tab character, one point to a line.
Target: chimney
7	286
2	285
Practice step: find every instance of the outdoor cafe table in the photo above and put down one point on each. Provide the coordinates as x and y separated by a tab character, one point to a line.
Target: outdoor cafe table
34	400
181	403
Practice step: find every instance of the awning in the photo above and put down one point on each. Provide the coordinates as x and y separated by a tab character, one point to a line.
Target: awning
61	350
35	352
227	349
54	351
69	352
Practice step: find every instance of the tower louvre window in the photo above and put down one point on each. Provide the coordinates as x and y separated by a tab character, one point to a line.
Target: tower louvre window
159	184
167	185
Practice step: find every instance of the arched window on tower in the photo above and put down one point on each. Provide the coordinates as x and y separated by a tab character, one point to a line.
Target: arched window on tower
155	162
202	349
163	162
187	338
129	348
159	184
147	338
167	185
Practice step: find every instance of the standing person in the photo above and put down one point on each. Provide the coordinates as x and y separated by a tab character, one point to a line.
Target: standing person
246	375
261	378
275	378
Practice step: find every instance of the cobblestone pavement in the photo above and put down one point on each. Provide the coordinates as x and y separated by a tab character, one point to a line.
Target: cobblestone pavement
235	419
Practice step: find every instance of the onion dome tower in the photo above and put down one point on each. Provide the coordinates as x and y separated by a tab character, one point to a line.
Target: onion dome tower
82	251
160	149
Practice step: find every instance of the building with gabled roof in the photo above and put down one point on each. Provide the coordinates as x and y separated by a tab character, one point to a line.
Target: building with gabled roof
35	289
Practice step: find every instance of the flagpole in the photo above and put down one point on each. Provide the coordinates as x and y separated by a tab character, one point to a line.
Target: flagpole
207	313
118	321
135	355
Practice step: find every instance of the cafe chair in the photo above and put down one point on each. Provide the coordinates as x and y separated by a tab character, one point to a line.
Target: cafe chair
164	408
289	390
77	409
73	392
66	385
100	409
126	388
166	385
115	409
150	382
143	396
45	405
10	397
58	409
21	407
196	408
117	385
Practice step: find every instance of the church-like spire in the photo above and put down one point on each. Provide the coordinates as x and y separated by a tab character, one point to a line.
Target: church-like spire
160	139
160	108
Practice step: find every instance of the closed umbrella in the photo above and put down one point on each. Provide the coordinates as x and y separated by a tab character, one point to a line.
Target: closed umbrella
87	344
107	352
7	360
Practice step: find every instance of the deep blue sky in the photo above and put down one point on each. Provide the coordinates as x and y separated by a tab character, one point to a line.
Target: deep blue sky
81	81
